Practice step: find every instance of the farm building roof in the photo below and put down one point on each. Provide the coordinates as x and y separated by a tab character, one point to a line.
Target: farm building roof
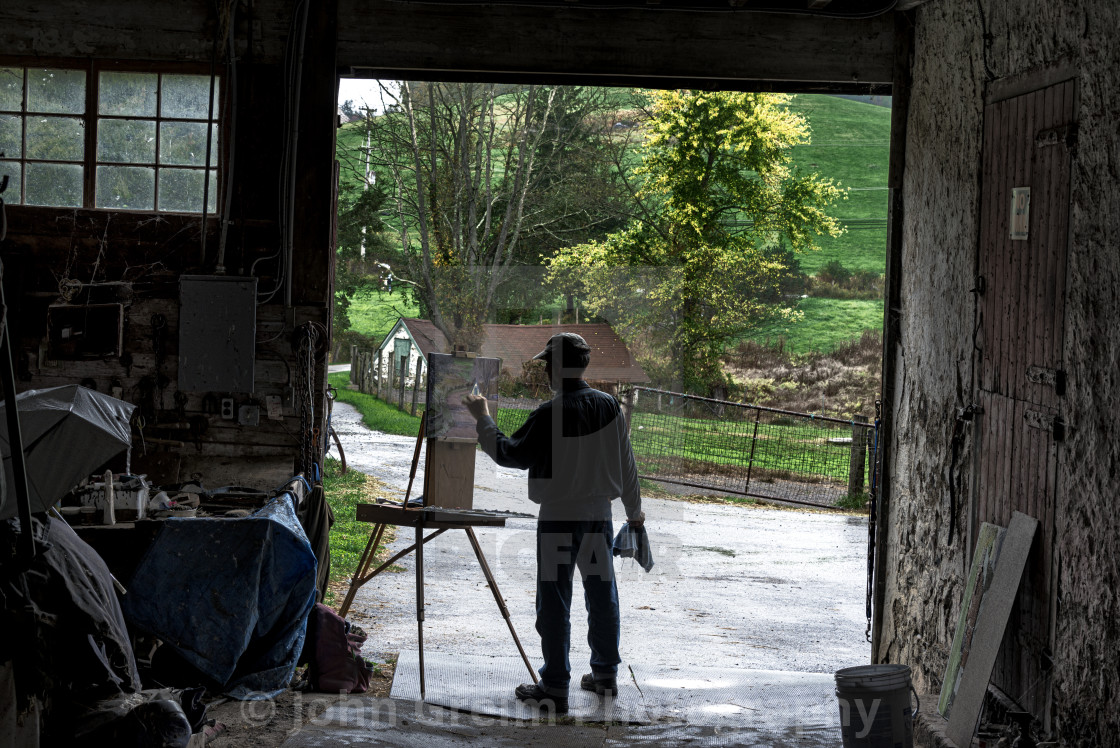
611	360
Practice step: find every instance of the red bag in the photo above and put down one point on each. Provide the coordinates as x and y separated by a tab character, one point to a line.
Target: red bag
336	662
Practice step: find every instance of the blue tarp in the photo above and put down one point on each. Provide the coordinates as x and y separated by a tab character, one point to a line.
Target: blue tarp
231	595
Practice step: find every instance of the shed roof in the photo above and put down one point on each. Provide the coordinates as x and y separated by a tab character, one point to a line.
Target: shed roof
611	360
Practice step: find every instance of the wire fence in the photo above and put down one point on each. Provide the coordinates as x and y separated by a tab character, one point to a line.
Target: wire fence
735	448
751	450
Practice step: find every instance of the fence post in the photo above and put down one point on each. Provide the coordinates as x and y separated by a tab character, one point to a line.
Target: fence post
404	373
627	402
857	459
375	370
416	385
754	441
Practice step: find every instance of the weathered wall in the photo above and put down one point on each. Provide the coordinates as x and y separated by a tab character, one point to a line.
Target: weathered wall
924	573
934	354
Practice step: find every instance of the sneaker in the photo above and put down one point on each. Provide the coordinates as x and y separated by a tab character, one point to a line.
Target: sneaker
601	686
535	696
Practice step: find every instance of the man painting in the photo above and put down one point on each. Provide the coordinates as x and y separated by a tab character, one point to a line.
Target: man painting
577	451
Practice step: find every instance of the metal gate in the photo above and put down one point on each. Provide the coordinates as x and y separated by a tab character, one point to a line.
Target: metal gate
751	450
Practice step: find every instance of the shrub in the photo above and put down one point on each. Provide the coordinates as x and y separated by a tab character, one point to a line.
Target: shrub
346	338
835	273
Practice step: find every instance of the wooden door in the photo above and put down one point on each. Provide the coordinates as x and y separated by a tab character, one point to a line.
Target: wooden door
1028	145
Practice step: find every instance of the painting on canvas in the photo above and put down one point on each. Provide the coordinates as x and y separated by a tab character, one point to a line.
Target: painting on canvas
450	378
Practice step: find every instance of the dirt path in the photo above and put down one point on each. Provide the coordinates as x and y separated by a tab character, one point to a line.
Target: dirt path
732	586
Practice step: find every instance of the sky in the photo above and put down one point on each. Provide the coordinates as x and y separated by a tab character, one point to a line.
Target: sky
362	91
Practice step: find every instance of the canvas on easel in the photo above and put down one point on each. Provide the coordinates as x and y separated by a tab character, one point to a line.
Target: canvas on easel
450	428
450	378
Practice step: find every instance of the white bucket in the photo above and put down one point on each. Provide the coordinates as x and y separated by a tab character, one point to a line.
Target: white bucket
875	708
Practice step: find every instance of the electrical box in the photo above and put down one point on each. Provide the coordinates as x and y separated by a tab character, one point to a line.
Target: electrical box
217	333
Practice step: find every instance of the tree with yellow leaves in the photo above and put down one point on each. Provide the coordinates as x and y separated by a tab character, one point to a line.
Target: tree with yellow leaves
717	202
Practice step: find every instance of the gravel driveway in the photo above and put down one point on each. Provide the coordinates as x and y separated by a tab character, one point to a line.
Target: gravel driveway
733	586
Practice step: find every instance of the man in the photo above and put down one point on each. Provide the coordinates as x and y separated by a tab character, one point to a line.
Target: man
578	454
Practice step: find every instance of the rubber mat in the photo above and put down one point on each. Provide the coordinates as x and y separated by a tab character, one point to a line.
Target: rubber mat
775	705
484	685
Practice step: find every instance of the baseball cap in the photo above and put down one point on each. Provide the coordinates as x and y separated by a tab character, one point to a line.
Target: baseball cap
574	351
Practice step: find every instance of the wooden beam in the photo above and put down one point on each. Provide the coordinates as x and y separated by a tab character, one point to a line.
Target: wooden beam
315	176
132	29
639	46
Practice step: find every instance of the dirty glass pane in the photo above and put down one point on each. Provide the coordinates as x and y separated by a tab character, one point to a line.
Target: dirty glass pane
128	141
127	94
54	184
185	96
11	89
11	135
180	190
12	171
126	187
55	138
184	143
56	91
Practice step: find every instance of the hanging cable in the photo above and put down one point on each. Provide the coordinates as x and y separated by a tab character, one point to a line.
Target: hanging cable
293	66
209	146
964	417
872	518
231	117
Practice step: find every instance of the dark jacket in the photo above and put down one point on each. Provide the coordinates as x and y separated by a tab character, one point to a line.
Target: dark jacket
577	451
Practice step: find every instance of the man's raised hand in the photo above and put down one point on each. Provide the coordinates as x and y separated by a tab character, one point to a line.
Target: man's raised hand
476	404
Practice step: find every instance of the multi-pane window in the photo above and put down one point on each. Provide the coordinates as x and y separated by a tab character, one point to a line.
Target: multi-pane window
148	151
42	135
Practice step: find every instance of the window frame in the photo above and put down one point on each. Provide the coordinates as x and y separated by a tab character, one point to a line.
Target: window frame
91	118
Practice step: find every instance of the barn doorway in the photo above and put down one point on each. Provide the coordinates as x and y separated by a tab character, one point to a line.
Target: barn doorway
741	627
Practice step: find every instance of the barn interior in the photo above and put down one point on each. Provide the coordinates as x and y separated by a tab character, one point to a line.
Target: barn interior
193	279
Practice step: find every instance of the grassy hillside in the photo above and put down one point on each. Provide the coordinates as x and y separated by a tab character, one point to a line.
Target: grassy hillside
850	144
826	325
373	314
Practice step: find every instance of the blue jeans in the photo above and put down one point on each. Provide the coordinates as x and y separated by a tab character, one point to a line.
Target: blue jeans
562	547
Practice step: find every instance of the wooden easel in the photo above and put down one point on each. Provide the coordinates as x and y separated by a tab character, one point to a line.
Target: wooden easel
384	515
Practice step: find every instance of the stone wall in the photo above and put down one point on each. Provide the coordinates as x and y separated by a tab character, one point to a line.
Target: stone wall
924	574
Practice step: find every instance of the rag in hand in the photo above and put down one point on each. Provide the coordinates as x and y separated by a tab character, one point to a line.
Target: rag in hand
632	542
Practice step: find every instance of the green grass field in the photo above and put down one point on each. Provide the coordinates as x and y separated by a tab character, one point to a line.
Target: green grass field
373	314
376	414
850	144
826	325
349	536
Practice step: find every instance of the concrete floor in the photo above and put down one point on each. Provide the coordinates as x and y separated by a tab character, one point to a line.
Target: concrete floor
733	587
